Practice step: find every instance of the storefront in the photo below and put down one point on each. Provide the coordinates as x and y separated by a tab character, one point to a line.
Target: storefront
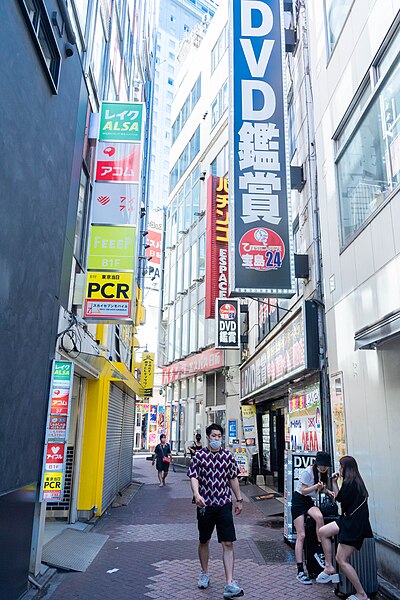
276	379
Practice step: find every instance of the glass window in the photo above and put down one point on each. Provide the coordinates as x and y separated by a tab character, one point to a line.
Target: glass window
193	329
99	44
369	166
80	226
186	274
185	333
292	131
178	333
202	255
200	323
195	262
336	12
219	49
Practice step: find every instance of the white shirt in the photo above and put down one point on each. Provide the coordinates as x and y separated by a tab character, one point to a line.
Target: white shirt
307	478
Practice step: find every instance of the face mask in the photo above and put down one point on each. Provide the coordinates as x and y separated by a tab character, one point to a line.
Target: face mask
215	444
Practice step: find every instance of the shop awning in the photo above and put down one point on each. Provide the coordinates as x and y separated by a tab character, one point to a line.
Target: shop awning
90	365
379	332
122	374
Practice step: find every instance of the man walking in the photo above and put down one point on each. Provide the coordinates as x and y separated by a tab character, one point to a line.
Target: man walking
213	476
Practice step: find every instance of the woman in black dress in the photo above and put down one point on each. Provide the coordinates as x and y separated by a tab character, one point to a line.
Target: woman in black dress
352	527
162	458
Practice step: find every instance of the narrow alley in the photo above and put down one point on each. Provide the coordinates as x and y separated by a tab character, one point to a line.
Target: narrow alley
153	544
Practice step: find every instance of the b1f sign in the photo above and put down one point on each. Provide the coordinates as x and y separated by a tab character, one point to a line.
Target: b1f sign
227	320
261	241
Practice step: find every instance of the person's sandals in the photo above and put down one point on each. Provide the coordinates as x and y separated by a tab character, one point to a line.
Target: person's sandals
320	558
303	578
204	581
232	590
326	578
353	597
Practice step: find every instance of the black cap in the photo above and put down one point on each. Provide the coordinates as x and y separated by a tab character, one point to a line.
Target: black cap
323	459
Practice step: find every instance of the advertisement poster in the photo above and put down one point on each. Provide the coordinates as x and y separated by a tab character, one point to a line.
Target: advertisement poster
295	463
227	323
249	424
305	426
55	454
338	417
242	461
52	486
260	233
108	295
59	401
111	248
161	423
57	427
232	431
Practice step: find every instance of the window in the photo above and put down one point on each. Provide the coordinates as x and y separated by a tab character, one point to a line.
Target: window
189	153
219	166
186	28
99	44
185	333
336	12
171	55
193	328
292	131
81	218
173	19
170	81
368	164
41	31
187	107
219	105
201	322
202	255
219	49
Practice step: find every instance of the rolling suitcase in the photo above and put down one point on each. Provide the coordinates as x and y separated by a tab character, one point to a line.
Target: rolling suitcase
364	562
310	548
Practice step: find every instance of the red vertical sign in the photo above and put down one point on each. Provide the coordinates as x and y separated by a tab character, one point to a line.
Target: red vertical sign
216	243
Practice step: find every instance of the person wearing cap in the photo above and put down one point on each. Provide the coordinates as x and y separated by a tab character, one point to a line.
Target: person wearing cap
312	481
196	446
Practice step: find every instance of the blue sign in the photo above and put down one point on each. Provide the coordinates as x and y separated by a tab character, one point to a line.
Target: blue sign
232	431
261	240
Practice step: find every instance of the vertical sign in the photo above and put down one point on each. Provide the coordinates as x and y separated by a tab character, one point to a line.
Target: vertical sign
232	431
227	321
249	424
147	378
59	408
260	243
216	243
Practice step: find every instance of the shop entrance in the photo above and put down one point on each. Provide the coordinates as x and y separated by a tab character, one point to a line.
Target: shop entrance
273	447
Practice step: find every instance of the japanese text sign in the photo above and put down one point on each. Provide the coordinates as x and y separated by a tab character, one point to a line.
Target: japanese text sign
260	243
227	322
147	377
121	122
108	295
216	243
111	248
208	360
118	162
115	204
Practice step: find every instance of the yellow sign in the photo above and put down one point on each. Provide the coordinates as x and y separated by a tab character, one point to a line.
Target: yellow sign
52	485
147	378
108	295
248	411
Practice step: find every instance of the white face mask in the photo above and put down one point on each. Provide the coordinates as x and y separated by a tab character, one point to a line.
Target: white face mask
215	444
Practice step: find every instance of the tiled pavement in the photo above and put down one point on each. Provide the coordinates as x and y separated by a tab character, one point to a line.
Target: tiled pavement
153	544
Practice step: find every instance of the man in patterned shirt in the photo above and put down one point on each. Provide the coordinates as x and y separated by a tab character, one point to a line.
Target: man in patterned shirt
213	476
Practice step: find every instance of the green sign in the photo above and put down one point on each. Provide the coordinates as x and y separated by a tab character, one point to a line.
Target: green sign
121	122
62	370
111	248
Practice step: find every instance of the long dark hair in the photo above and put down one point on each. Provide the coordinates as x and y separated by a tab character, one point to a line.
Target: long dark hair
351	473
318	476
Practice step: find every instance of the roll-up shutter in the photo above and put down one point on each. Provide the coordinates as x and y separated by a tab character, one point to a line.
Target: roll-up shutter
128	426
113	445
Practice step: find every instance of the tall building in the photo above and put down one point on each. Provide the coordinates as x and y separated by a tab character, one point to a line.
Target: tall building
355	64
62	69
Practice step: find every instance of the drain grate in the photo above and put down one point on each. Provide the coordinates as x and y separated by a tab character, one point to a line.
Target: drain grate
272	523
275	552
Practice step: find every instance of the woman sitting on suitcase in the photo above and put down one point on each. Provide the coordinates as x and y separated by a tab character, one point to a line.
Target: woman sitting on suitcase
312	480
352	527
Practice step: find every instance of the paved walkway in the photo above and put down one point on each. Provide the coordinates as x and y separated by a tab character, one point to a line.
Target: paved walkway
153	544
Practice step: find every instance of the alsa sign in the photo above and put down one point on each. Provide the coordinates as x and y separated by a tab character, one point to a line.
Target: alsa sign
227	313
261	247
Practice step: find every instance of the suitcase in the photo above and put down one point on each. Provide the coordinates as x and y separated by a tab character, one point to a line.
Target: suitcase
364	562
310	548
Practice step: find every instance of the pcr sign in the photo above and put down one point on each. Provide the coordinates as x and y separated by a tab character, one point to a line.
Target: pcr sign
108	296
260	235
227	313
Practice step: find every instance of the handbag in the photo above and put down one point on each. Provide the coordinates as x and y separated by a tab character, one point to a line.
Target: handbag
328	505
165	459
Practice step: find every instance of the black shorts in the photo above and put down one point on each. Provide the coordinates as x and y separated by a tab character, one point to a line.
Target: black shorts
216	516
301	504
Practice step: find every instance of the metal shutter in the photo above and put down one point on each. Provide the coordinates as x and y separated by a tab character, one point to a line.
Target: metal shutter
126	454
113	445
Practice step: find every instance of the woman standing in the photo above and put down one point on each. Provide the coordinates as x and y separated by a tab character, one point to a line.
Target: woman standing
312	480
162	458
196	446
352	527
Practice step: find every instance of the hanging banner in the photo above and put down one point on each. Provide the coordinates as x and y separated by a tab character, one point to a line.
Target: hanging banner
261	242
121	121
147	377
216	243
108	296
249	424
59	408
227	323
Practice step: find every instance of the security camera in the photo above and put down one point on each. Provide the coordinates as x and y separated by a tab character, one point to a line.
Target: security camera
69	49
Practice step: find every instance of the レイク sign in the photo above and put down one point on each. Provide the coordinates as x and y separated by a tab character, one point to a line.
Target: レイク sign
261	248
121	122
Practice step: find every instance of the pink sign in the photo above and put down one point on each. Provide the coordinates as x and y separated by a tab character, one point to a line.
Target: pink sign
118	162
59	402
54	456
206	361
